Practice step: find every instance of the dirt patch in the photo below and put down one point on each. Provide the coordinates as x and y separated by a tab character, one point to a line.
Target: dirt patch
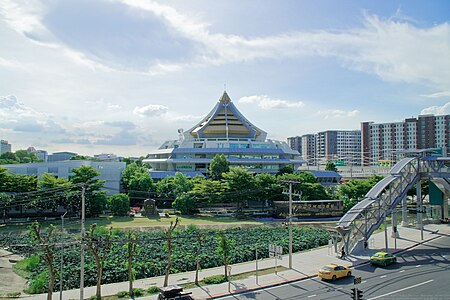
10	281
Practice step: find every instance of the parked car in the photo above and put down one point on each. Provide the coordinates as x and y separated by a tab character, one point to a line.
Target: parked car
334	271
383	259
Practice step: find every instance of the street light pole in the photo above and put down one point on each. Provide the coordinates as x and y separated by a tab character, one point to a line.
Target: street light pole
83	189
62	257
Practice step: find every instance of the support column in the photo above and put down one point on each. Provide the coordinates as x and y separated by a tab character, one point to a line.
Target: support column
404	212
394	233
445	205
419	204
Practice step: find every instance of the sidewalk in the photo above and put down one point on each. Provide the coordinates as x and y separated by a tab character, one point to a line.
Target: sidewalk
305	265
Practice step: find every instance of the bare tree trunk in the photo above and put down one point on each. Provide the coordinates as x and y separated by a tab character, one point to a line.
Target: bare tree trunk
169	261
51	283
98	292
130	269
197	266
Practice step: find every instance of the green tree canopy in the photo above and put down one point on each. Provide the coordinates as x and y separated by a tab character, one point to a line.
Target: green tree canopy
241	185
95	197
119	204
331	166
218	166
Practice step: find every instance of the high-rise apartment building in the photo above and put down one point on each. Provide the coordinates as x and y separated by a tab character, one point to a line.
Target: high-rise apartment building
4	146
295	143
339	145
381	142
308	149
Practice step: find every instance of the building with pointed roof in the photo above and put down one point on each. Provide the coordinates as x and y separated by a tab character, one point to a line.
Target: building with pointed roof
226	131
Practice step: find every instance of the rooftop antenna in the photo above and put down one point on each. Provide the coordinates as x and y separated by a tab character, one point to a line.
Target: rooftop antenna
225	87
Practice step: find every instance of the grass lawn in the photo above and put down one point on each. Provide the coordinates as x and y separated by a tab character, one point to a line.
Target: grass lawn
129	222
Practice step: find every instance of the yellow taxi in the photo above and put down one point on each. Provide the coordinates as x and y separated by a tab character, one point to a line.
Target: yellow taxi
383	259
333	271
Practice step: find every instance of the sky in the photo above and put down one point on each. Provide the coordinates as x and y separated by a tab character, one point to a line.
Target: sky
122	76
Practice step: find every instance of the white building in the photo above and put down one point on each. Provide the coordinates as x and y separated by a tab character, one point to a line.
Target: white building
111	172
223	131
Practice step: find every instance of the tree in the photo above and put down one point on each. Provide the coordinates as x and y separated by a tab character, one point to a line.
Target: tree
119	204
200	241
131	246
268	187
241	186
185	203
224	251
169	234
95	197
218	166
331	166
47	242
287	169
5	203
208	191
136	180
24	156
98	243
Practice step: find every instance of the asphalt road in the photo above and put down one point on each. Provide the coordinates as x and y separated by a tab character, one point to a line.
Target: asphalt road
422	272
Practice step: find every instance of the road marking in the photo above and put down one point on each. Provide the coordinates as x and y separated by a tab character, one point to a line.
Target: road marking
402	271
364	281
310	296
403	289
383	276
418	266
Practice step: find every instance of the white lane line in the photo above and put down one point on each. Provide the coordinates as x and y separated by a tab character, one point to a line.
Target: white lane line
418	266
310	296
402	271
364	281
383	276
403	289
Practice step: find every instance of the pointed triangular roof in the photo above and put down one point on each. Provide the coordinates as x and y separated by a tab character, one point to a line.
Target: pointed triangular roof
225	121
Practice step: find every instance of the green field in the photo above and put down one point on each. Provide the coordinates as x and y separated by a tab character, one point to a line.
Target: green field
136	222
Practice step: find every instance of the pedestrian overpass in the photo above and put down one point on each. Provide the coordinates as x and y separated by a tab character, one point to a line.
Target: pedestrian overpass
360	222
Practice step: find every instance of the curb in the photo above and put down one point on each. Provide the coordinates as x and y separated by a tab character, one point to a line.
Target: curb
278	283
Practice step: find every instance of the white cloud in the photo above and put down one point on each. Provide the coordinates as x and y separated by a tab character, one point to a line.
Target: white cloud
265	102
438	95
337	113
19	117
394	49
437	110
150	110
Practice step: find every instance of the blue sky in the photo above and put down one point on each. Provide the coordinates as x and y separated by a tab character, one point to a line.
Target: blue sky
122	76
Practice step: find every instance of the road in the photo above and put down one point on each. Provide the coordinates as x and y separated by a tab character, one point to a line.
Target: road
422	272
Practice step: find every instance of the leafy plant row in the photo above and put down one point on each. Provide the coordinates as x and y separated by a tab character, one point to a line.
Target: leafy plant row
151	257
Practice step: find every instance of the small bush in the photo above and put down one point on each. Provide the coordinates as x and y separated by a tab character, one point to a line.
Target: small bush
94	297
137	292
122	294
13	295
216	279
38	285
153	290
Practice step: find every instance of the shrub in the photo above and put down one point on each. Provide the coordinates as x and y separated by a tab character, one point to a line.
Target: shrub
13	295
94	297
216	279
122	294
137	292
39	284
153	290
119	204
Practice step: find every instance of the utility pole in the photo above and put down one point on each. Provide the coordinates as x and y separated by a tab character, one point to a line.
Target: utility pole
83	189
62	258
290	225
290	182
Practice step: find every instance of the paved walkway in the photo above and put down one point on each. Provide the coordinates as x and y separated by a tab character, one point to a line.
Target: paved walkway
305	264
